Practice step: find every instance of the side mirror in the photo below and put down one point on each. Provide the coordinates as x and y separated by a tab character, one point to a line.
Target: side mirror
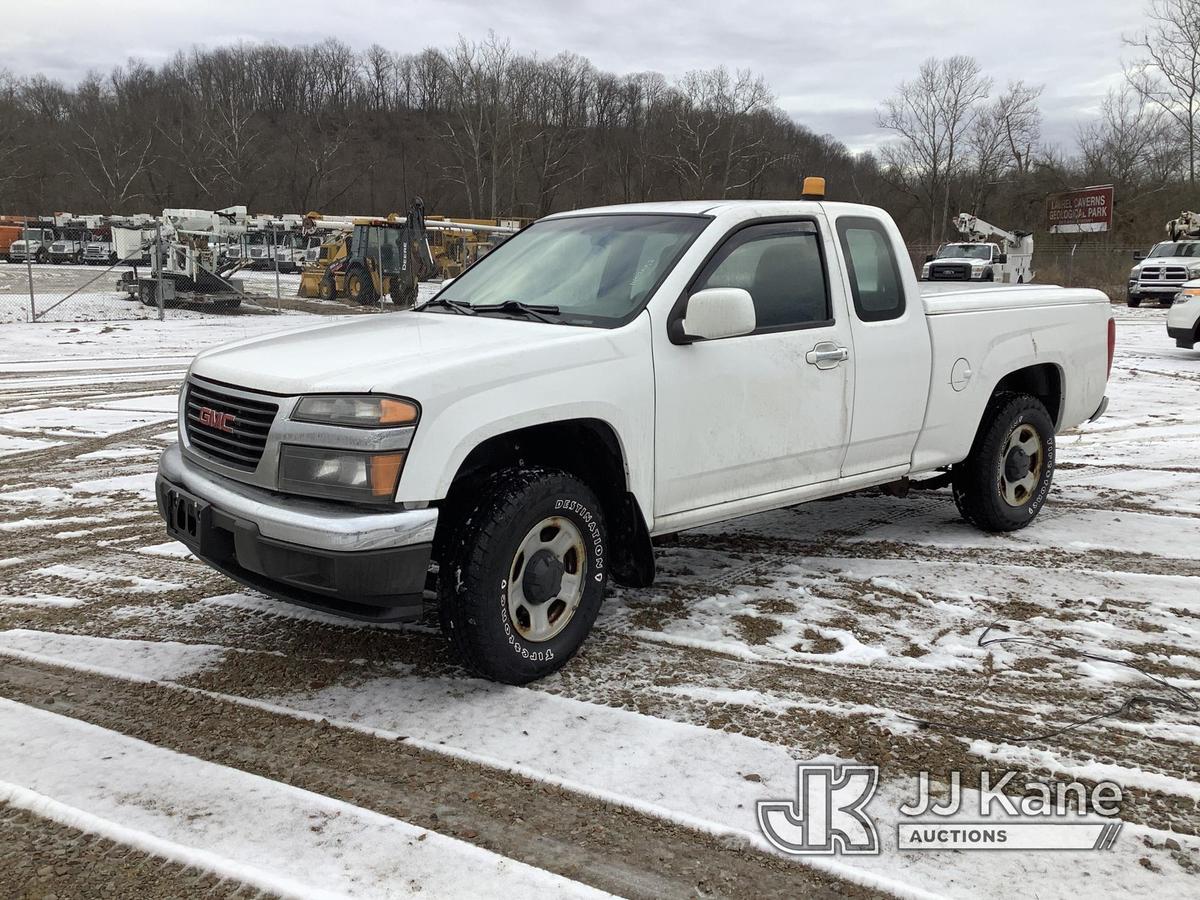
1138	257
928	257
1003	258
718	313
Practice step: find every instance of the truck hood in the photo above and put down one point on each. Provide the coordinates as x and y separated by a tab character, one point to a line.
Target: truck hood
959	259
1169	261
408	353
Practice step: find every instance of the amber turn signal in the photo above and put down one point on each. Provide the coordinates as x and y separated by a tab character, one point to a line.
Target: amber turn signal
385	473
396	412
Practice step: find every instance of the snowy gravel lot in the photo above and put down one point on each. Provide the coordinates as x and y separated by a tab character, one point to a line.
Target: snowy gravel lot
150	704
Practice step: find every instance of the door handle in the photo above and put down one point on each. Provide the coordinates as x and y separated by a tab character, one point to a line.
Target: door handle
826	355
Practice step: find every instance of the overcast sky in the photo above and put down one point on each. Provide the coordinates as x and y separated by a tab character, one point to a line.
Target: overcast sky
829	62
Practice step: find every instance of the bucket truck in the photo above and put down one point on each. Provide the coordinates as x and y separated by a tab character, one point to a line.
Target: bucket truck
989	253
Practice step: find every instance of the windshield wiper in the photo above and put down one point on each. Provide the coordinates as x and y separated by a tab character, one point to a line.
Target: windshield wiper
459	306
530	310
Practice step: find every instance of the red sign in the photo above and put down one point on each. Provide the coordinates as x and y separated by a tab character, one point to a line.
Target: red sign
1089	209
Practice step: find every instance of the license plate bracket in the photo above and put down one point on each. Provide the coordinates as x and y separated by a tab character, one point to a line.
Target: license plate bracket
185	515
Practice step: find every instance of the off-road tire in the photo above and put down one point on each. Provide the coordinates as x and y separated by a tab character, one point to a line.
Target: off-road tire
359	287
327	289
403	292
476	555
976	480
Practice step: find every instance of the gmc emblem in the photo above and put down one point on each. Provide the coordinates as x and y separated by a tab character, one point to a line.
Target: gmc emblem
221	421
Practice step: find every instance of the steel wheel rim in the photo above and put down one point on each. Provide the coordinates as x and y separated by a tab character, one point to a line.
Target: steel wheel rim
539	619
1019	490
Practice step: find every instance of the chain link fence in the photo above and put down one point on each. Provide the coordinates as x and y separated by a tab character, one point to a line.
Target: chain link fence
149	277
1058	259
140	277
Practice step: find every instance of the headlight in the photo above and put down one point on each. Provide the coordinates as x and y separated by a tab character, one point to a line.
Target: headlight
1194	271
340	474
356	411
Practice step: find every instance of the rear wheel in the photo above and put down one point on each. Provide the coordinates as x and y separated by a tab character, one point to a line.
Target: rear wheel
1003	484
522	574
403	291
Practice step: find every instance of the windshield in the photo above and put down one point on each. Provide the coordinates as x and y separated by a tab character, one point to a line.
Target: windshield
1176	248
598	270
965	251
36	234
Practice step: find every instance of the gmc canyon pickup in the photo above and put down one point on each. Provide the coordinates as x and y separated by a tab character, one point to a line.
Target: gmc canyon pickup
603	377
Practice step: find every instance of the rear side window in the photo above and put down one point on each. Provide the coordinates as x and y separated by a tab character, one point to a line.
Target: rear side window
781	265
874	275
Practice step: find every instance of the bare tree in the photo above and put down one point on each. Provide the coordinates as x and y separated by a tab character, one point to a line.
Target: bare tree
111	143
713	140
1168	71
1020	120
1130	145
932	117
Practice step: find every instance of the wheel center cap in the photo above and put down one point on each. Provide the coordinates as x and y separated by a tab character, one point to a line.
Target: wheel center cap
1017	465
543	577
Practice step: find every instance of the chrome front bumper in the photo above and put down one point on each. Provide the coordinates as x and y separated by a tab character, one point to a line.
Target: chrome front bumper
295	520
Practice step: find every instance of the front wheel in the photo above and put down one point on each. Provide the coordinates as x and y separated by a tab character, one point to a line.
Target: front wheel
522	574
359	286
1134	302
1003	484
327	290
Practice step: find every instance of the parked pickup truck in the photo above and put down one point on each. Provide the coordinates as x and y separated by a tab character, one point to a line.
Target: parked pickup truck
1160	275
603	377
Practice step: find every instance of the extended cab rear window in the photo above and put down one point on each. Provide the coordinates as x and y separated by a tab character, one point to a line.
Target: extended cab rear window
871	265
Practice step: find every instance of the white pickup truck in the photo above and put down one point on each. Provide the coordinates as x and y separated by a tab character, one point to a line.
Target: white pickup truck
603	377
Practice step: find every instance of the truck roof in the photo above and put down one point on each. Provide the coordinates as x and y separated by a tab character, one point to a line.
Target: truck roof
716	207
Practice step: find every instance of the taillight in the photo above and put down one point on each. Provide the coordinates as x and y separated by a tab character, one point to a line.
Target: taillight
1112	344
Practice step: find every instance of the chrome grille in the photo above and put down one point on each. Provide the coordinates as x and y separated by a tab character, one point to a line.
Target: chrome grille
238	442
1163	273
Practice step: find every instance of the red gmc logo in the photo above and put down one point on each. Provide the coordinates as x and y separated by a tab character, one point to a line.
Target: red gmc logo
221	421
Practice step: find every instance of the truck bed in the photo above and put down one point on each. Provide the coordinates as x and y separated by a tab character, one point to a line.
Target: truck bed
976	339
947	297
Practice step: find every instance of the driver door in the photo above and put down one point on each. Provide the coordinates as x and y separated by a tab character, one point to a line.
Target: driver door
762	412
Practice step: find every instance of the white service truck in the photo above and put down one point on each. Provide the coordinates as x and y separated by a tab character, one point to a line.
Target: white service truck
989	254
607	376
34	246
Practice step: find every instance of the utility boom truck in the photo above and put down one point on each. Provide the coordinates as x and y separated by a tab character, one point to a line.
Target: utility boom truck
988	254
602	377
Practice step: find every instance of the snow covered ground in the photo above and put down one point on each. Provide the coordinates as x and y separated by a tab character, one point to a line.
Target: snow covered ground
838	631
